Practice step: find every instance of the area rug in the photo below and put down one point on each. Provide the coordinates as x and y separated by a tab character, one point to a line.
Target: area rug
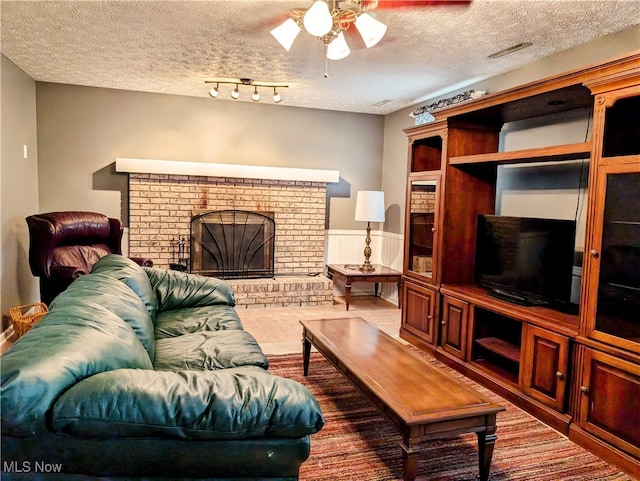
358	443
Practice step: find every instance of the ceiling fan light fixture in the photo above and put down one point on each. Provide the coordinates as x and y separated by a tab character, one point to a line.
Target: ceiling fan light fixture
338	48
276	96
235	93
318	20
371	30
255	96
286	33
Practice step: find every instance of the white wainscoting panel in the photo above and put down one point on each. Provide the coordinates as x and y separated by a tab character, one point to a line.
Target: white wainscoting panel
347	247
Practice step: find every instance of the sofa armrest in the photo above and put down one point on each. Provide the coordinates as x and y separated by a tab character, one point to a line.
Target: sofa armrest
233	403
177	290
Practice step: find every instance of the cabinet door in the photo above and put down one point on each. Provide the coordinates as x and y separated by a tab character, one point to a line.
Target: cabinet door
421	241
453	336
611	294
544	363
613	298
418	311
608	403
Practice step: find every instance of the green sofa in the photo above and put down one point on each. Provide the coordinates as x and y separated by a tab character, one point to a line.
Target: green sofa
142	373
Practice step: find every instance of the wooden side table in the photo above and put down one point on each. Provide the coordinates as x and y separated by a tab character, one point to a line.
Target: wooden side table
350	273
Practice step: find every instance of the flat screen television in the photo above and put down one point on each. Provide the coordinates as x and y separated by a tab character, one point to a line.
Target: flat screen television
526	261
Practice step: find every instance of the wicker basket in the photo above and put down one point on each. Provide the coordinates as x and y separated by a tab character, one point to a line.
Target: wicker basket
25	317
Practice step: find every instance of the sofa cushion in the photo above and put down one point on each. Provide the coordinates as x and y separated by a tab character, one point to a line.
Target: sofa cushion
178	322
69	344
175	290
133	275
116	297
228	404
209	350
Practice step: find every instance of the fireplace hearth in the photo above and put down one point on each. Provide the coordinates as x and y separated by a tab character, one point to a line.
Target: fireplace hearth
233	244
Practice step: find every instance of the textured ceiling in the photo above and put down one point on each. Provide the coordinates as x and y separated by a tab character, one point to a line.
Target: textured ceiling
173	46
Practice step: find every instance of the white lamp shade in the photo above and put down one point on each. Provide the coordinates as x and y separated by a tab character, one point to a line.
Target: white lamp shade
317	20
371	30
338	48
286	33
370	206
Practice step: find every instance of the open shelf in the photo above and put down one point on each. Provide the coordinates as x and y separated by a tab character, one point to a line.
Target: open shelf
500	347
621	137
542	154
427	154
536	99
500	371
496	343
556	321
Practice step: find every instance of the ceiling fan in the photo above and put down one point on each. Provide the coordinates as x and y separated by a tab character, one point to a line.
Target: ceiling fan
328	20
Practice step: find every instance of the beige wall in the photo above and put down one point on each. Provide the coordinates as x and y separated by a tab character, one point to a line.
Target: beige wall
18	185
81	131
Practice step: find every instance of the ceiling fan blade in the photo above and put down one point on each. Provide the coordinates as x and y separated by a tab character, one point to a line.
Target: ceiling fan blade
389	4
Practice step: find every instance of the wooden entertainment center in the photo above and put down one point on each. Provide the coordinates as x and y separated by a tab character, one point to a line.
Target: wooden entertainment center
579	373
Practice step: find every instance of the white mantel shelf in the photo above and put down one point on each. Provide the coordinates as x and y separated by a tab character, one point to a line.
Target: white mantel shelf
176	167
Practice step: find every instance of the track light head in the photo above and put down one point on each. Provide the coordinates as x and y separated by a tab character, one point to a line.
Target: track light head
235	93
255	96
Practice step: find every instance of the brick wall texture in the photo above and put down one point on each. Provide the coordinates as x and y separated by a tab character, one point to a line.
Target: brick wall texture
423	202
161	206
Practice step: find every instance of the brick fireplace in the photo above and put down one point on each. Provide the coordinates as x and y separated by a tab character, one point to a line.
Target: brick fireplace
161	207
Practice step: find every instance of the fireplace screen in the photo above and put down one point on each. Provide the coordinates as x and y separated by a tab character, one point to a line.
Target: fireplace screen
233	244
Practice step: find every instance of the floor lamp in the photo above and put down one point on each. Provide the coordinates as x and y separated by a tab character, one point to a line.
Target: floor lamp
369	208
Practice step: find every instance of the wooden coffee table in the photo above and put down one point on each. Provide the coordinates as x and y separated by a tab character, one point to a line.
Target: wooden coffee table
350	273
422	401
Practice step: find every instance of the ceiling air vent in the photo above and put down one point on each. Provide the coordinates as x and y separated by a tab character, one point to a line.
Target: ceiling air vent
507	51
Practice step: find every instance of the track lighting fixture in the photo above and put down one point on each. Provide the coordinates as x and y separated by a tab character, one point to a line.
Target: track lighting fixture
235	93
327	21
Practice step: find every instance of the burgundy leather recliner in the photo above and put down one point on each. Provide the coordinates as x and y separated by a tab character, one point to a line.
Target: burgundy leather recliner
65	245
